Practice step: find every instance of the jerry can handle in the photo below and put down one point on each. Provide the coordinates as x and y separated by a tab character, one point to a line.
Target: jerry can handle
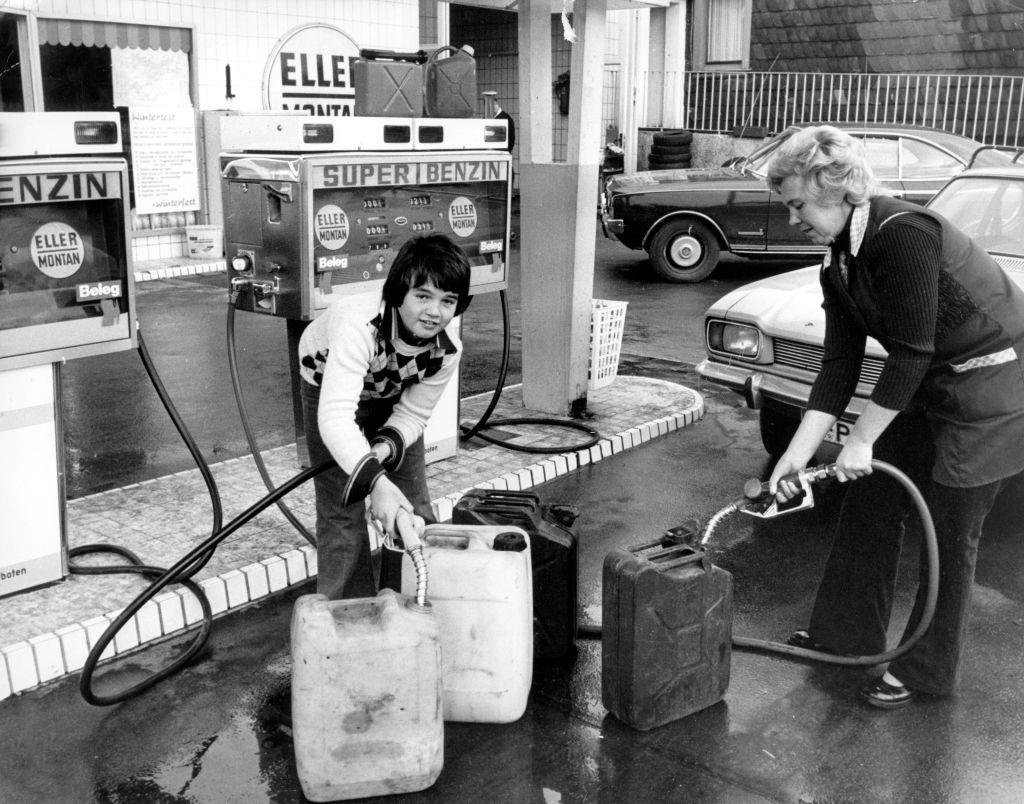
510	497
436	54
416	57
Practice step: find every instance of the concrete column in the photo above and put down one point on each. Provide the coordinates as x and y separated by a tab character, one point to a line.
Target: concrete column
558	209
674	65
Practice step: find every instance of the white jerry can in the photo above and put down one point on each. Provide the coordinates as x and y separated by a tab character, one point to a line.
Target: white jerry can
481	591
366	696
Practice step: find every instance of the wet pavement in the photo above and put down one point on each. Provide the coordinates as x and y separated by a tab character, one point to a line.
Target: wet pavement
787	730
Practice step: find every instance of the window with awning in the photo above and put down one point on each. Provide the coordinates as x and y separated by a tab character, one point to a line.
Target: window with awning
87	33
89	65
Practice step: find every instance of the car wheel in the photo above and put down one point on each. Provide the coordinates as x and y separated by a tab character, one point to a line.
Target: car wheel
776	431
684	251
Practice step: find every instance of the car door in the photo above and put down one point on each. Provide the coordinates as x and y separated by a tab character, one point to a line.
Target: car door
783	238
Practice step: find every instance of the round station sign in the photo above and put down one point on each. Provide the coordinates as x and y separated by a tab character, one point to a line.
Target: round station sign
57	250
462	216
310	69
331	226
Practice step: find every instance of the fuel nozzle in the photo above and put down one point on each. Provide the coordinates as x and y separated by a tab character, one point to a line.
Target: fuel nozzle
762	503
409	528
754	489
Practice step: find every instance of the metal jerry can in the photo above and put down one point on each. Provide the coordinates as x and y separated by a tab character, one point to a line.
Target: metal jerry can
366	696
553	554
450	83
666	639
481	594
388	83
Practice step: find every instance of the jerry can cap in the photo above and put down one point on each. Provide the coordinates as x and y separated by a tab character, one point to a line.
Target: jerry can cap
510	541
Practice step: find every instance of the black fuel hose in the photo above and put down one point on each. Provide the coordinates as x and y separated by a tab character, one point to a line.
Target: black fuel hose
593	631
182	572
931	592
485	420
174	575
250	437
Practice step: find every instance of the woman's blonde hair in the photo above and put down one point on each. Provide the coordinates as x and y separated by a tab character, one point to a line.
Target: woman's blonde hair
830	162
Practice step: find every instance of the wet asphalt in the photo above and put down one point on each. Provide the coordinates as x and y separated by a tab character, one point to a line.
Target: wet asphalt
786	730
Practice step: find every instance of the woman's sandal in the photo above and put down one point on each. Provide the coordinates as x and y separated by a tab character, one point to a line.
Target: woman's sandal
803	639
881	693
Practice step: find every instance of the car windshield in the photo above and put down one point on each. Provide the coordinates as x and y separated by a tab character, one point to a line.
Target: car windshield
757	161
989	209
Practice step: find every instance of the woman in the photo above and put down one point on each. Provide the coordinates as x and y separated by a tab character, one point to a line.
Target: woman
948	407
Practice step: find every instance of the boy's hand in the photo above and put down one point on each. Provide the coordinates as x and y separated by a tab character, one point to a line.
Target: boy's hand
386	499
381	451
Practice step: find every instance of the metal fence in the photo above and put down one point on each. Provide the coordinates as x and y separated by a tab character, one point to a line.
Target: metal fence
987	108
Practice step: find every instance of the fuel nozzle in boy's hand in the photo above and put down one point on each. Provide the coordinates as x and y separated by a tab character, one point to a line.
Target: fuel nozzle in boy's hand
763	504
410	529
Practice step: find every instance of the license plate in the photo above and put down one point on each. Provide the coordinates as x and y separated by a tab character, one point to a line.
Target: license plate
838	433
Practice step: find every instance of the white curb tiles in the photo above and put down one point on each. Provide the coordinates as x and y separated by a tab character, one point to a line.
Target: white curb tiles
49	656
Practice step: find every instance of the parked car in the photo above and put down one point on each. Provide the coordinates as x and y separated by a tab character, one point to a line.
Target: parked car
765	340
685	218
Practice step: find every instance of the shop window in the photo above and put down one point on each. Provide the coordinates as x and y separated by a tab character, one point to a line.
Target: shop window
98	66
12	93
721	35
76	79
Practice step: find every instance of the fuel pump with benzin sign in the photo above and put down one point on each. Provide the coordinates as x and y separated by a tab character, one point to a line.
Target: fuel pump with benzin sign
315	209
66	291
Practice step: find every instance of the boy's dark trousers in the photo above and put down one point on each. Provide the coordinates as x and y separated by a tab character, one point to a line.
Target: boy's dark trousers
344	562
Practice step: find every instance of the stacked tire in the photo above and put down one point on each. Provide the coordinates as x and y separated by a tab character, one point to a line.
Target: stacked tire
670	149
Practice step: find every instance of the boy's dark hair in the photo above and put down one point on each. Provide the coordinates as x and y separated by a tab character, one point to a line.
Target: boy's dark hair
434	258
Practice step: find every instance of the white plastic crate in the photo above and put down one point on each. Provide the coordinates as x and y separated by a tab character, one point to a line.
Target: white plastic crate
607	320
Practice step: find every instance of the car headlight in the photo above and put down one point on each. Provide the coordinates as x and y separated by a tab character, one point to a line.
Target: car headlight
734	339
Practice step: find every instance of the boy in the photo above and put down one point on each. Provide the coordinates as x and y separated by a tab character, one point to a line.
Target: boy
368	388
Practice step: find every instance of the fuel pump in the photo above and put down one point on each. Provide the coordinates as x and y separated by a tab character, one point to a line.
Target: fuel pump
66	291
315	209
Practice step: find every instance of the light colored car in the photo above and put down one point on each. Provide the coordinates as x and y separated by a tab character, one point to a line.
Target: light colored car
765	340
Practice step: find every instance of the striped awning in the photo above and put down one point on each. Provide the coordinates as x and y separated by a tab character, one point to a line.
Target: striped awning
114	34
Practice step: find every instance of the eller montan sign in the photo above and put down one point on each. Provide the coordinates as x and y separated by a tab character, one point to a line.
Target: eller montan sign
310	69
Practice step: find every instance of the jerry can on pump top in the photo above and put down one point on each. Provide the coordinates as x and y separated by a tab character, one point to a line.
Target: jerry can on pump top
553	554
666	638
366	696
481	594
388	84
450	83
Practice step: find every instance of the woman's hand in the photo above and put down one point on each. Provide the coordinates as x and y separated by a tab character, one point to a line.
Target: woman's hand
854	460
784	489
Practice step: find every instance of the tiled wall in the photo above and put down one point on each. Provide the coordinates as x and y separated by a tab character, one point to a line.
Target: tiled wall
494	37
240	33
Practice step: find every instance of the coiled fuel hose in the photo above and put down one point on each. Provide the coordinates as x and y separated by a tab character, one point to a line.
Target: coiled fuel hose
177	574
756	489
182	572
485	420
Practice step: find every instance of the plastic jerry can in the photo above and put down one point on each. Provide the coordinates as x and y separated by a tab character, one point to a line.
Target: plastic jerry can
554	556
666	639
479	589
388	84
366	696
450	83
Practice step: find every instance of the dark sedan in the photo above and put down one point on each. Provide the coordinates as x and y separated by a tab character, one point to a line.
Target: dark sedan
685	218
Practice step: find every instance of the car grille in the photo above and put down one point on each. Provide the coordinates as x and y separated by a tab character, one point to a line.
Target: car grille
1011	264
808	356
